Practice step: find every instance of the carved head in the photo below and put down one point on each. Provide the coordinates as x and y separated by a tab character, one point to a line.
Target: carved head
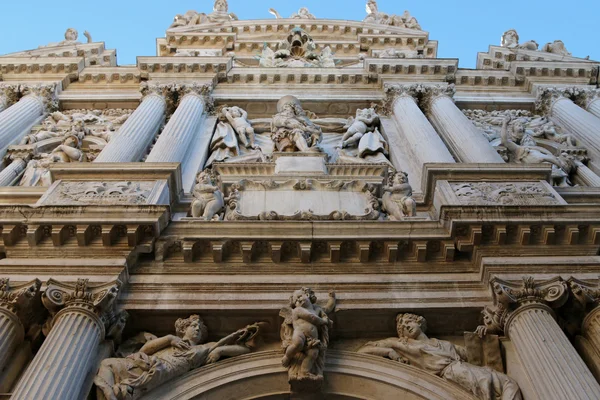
71	34
285	101
371	7
492	319
204	177
400	177
410	325
510	38
302	297
192	329
72	141
220	6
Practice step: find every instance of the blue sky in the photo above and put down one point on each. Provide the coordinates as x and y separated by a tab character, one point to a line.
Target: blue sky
462	27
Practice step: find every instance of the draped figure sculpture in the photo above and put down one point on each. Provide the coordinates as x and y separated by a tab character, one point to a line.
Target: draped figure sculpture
529	153
292	130
442	358
232	129
167	357
397	198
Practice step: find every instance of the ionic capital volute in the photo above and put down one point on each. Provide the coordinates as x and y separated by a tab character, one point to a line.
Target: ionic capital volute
96	301
511	297
24	301
45	93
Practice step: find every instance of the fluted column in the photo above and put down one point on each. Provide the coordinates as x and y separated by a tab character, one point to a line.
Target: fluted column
60	367
17	305
132	140
425	144
586	175
582	124
8	174
17	120
586	298
176	137
591	102
555	369
462	138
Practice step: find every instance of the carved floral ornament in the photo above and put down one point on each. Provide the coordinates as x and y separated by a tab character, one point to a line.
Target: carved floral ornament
423	94
19	300
173	93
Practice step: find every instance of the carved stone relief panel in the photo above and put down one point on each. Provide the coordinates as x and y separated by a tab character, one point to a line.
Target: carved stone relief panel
106	193
502	193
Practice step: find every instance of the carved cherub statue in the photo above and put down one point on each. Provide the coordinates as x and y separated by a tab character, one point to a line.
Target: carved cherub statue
238	118
441	358
366	120
209	200
167	357
397	198
305	336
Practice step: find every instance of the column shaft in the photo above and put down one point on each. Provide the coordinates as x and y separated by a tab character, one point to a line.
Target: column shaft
60	367
555	368
594	107
586	175
425	144
17	120
3	102
12	335
582	124
462	138
132	140
13	170
591	332
174	141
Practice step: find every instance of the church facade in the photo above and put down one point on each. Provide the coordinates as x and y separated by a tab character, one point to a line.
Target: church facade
299	208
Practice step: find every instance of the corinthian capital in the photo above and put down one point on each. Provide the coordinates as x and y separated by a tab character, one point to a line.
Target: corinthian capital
433	92
172	93
547	96
585	294
22	300
47	93
98	300
9	93
395	91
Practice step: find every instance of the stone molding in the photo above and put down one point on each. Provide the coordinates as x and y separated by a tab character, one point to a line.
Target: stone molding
370	374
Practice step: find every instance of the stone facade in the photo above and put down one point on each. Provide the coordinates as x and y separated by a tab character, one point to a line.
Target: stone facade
156	218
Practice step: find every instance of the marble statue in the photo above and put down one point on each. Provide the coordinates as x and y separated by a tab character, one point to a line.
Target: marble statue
374	16
220	14
232	129
302	13
71	36
366	120
297	50
208	199
510	40
292	130
162	359
529	153
397	199
556	47
238	118
442	358
37	173
305	337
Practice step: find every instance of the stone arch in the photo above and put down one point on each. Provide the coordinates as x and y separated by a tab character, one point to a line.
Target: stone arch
348	375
